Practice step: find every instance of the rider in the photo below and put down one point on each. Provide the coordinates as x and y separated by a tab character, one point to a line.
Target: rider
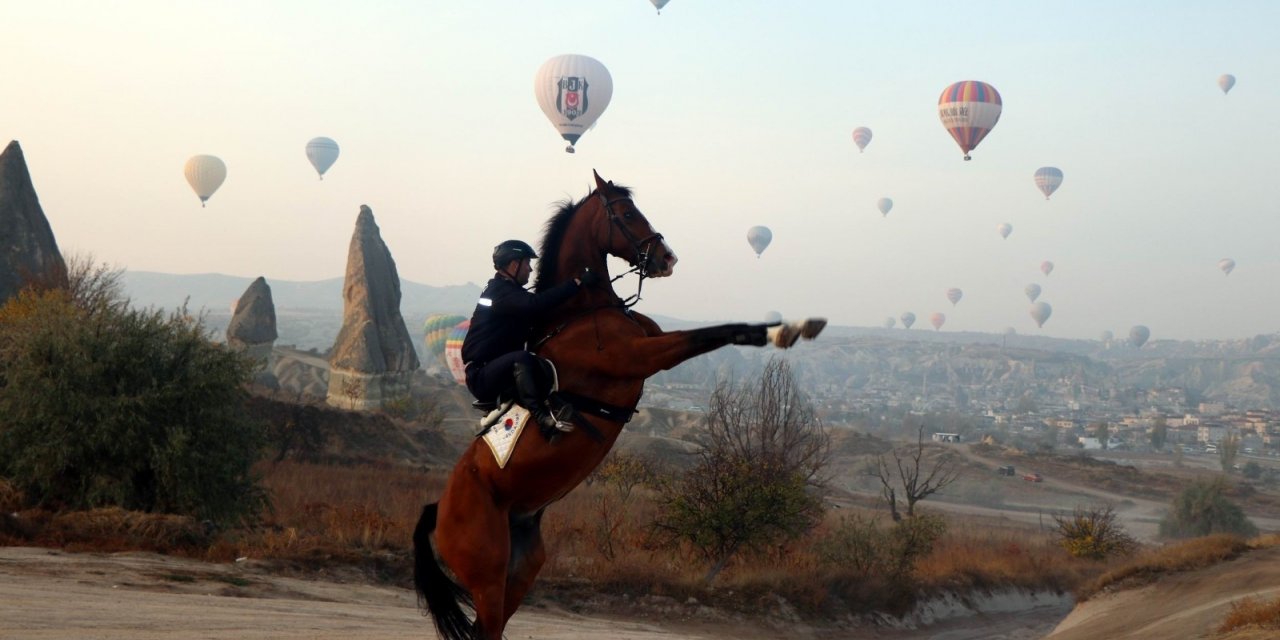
495	347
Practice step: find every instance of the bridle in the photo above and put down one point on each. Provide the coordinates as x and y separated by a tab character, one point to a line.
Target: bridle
641	247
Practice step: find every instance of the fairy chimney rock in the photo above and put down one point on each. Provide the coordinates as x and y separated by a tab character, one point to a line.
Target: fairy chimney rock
253	329
27	248
373	357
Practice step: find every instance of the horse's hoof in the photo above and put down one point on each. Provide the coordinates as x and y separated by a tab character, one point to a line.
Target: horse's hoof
784	335
812	327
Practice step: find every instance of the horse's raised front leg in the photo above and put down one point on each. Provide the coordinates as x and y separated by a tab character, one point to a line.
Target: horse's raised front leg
643	357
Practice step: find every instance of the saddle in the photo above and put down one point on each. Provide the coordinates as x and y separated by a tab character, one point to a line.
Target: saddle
495	409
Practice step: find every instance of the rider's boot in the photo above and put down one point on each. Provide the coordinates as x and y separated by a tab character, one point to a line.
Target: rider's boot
530	396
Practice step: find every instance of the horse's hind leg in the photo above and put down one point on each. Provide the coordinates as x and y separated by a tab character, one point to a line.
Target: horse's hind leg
527	556
475	542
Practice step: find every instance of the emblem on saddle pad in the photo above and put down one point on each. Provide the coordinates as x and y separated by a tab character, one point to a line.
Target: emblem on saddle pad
502	436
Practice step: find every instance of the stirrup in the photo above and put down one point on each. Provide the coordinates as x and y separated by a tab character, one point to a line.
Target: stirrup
563	418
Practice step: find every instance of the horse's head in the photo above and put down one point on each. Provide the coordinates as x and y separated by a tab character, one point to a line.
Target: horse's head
627	234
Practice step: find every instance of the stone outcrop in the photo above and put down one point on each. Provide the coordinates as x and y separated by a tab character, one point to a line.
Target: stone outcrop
27	248
253	329
373	357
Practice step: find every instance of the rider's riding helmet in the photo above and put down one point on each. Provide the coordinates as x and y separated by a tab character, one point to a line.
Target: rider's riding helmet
510	250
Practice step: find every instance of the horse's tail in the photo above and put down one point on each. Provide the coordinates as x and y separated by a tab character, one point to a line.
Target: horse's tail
437	593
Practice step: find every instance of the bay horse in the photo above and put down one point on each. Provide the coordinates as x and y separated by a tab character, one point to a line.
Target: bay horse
487	523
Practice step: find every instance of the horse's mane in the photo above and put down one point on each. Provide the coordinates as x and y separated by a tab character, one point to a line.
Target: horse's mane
553	237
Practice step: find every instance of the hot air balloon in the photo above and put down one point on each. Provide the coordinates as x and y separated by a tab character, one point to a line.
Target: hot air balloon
1046	267
773	317
1048	179
1138	335
937	320
453	351
907	319
1004	229
889	322
322	152
759	238
1010	331
884	205
205	174
1225	82
659	4
1040	312
1106	336
954	295
969	110
1033	291
862	138
437	327
1226	264
573	91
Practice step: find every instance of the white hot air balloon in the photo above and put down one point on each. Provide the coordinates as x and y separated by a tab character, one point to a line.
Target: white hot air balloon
884	205
937	320
1225	82
862	138
573	90
1046	267
1040	312
1004	229
1048	179
773	317
659	4
322	153
1227	265
205	174
1033	291
1138	335
954	295
889	322
907	319
759	238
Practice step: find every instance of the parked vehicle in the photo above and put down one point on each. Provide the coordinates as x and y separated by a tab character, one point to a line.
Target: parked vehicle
1033	477
1006	470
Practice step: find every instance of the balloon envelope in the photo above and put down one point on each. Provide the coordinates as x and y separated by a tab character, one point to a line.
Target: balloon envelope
659	4
861	137
1046	267
1227	265
453	351
889	322
884	205
437	328
1048	179
907	319
969	110
322	153
1033	291
1004	229
937	320
759	238
205	174
1040	312
1138	335
573	90
1225	82
954	295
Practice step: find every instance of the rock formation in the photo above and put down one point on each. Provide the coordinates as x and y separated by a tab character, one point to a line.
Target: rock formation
253	329
27	248
373	357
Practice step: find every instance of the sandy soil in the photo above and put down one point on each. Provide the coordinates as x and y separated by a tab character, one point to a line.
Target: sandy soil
48	594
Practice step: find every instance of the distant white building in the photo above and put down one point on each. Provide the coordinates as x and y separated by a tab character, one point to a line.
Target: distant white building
1089	443
946	437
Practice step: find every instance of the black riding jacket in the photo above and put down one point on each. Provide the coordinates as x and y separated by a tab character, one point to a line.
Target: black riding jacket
505	315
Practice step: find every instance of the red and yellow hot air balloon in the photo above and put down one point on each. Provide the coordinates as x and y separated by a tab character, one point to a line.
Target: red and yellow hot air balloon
969	110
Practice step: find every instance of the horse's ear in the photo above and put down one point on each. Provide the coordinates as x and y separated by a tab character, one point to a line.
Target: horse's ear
600	182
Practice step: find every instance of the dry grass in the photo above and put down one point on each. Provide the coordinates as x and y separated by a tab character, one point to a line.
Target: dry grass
1252	613
1149	565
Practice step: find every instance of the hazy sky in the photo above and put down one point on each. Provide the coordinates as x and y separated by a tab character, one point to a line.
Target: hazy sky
725	114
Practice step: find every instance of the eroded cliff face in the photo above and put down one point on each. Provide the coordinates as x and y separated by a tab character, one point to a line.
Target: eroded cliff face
253	329
373	356
27	246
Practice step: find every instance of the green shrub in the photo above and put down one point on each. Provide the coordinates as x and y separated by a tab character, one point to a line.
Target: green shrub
1203	509
1093	533
105	405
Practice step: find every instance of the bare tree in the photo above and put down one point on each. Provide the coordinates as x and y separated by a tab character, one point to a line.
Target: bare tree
917	477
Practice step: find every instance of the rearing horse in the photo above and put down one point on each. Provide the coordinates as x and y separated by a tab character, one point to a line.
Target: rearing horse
487	524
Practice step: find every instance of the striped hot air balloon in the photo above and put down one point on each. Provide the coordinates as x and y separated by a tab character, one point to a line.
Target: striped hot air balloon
1048	179
969	110
437	328
861	137
453	351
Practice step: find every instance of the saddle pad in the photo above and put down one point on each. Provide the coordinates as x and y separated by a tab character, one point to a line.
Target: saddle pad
502	436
